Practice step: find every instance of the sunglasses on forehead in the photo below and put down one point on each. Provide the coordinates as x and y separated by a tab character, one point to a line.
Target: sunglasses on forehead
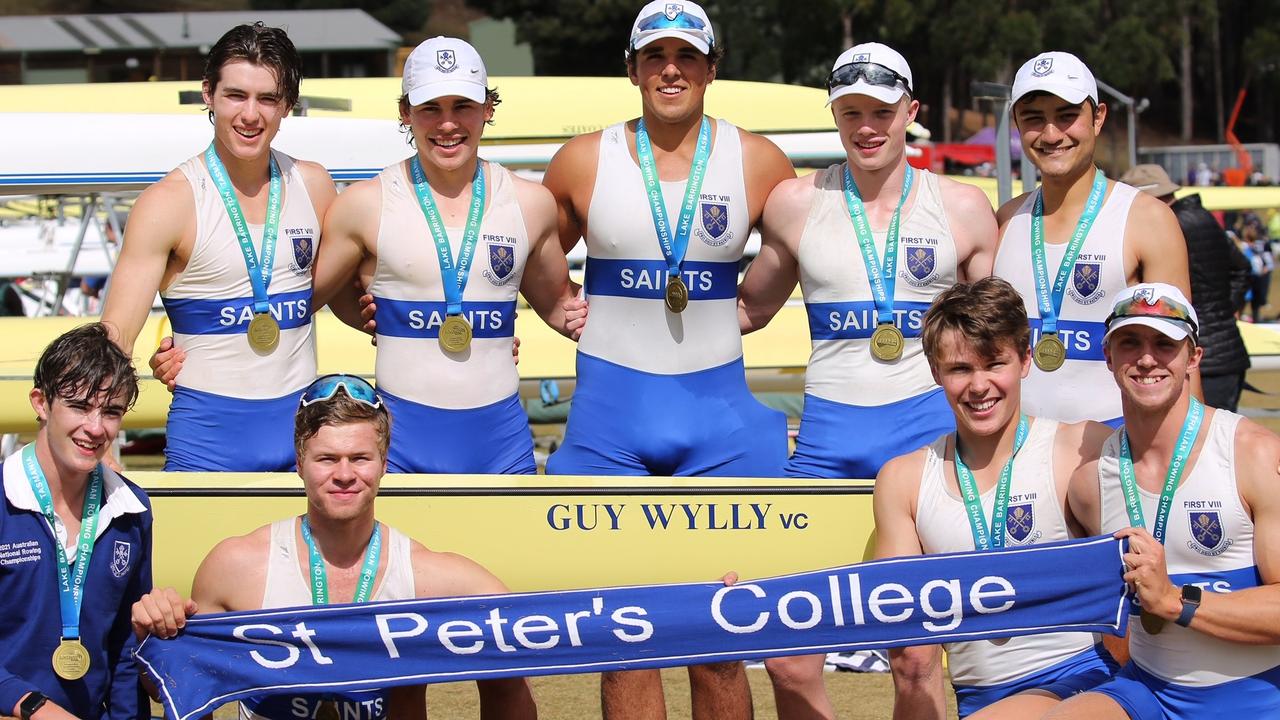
870	73
682	21
1163	308
325	387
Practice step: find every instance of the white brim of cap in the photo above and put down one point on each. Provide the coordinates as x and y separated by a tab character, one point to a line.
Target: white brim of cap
1175	329
473	91
694	39
1070	93
861	87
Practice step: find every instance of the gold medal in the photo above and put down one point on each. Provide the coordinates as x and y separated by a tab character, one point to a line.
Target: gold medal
1050	353
1152	623
677	294
887	342
264	332
455	334
71	660
327	710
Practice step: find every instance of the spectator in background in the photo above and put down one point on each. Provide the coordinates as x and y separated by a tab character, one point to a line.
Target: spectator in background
1204	176
1254	236
1220	275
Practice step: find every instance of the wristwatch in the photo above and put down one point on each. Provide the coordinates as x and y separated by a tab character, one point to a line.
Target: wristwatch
1191	596
31	703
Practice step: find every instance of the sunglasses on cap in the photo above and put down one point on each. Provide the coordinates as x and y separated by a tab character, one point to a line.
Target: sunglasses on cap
682	21
325	387
1164	308
870	73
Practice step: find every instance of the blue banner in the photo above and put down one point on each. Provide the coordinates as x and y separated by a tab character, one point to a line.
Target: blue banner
1082	339
1071	586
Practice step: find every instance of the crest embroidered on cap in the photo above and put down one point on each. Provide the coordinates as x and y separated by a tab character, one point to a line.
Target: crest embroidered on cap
1043	67
673	10
446	60
862	57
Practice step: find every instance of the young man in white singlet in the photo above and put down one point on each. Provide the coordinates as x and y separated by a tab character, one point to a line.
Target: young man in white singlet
1015	469
666	203
1125	237
341	433
228	239
944	231
1192	489
454	398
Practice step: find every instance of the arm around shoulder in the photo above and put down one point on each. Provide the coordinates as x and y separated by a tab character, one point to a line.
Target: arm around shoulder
571	178
774	272
161	216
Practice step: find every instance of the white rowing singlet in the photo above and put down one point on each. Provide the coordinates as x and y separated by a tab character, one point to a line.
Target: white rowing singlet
210	303
410	297
1082	389
837	293
1208	542
1034	516
288	586
626	275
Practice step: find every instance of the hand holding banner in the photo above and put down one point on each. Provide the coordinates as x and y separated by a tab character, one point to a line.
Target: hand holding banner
1070	586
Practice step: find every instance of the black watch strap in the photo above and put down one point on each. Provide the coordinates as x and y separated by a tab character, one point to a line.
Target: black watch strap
31	703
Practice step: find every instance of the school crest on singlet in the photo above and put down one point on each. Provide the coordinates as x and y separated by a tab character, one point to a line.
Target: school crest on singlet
918	260
303	243
1207	537
1085	287
714	219
502	258
1020	522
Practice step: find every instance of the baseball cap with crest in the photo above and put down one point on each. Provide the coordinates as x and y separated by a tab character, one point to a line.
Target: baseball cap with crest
1057	73
444	66
1156	305
684	20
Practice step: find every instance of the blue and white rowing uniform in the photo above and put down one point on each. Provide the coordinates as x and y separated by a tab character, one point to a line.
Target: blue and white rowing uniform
983	672
859	412
233	407
287	586
1082	389
451	412
1180	672
660	393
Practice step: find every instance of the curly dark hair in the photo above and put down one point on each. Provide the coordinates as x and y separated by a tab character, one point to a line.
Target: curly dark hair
269	47
84	362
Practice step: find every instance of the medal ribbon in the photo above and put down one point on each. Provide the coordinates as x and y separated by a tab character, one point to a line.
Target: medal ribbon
70	586
882	279
320	579
673	250
1177	466
452	277
1051	305
989	537
260	268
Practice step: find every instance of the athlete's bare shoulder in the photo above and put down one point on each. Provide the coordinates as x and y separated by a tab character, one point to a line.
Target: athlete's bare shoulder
1009	209
1257	460
164	212
901	475
1084	503
532	196
356	211
1084	439
446	574
764	165
233	575
578	153
961	197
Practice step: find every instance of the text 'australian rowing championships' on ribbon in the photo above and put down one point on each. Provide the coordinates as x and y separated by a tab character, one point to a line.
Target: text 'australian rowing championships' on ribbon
1074	585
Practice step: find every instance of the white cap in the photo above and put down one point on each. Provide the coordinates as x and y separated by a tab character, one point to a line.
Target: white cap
685	20
444	66
876	54
1156	305
1057	73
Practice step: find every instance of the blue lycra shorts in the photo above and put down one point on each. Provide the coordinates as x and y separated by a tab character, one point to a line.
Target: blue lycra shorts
216	433
494	439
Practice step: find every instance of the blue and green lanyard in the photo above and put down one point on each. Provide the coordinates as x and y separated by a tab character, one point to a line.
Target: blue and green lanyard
1051	304
70	583
673	248
320	578
1177	467
452	277
989	537
882	278
260	267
